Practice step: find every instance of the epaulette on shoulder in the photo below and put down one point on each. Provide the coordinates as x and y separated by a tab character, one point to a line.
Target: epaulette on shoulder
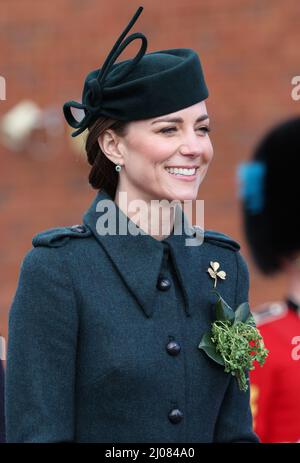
57	237
219	239
269	312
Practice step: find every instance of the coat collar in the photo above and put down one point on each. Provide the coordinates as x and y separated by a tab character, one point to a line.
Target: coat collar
138	259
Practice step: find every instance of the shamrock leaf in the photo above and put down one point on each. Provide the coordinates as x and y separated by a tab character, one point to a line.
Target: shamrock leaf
215	266
209	348
223	311
221	274
242	313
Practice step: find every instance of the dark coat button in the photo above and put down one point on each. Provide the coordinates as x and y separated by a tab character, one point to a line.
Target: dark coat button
163	283
173	348
175	416
78	228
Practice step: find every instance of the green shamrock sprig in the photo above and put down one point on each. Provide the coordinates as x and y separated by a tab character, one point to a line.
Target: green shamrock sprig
234	341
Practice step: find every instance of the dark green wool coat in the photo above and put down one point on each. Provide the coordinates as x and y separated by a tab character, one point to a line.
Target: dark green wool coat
102	350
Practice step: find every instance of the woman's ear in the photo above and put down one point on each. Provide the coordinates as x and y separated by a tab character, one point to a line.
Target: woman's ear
109	145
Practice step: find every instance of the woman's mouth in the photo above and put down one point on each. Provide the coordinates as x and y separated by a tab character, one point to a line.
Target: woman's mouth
186	174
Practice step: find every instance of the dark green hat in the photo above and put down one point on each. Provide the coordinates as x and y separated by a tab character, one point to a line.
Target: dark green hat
149	85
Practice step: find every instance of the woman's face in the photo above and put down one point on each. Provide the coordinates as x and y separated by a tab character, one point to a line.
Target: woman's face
152	147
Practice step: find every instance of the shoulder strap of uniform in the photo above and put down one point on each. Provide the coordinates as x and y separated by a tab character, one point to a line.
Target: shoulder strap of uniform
57	237
220	239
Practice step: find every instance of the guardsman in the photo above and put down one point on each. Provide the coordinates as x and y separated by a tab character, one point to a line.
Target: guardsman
270	200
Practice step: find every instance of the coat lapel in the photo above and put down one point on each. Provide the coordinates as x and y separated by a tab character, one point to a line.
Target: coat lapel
187	262
138	258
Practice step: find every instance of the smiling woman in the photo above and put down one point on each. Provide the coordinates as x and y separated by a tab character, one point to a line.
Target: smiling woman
105	326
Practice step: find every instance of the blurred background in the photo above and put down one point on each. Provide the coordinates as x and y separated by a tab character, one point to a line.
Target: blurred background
250	53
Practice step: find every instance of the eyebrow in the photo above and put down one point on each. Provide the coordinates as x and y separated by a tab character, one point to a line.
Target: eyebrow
179	119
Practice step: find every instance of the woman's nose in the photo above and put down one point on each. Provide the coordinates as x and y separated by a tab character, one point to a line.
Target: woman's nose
192	144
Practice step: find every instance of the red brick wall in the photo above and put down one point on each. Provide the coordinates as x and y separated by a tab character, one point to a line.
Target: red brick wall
249	51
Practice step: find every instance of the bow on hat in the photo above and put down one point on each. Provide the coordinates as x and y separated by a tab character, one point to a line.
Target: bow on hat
92	98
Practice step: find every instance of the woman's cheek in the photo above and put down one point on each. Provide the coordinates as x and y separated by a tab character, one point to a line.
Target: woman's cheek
210	150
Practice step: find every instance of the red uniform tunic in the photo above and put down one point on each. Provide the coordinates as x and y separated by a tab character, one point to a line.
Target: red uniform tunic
275	387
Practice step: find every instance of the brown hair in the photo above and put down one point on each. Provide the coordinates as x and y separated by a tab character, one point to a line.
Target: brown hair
103	174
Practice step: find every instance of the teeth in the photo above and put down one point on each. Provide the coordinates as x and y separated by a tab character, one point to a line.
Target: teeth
178	171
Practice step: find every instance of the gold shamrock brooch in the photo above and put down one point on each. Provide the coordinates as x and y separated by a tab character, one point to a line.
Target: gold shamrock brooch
214	273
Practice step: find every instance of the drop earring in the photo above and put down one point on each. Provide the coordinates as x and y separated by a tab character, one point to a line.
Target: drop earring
118	167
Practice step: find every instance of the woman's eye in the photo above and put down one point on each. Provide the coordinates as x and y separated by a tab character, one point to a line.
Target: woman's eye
167	130
170	129
205	129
